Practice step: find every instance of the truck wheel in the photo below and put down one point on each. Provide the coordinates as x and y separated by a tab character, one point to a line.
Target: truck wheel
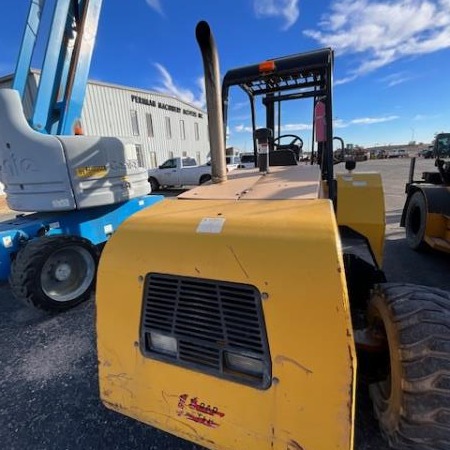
412	399
204	179
154	184
416	221
54	273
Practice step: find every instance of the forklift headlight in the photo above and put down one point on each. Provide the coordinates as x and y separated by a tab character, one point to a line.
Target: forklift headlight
163	344
244	364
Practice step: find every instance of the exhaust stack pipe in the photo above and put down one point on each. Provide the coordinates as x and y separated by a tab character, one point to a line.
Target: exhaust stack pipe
210	58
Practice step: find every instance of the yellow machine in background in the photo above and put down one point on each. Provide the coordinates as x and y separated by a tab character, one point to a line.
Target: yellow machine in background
426	214
226	316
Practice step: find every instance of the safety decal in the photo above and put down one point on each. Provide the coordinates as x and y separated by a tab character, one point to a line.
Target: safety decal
91	171
212	225
108	229
199	412
61	203
7	241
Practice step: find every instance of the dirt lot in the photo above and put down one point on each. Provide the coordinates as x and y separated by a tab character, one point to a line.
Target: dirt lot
48	379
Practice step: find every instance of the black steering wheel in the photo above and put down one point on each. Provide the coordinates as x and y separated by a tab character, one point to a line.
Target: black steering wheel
292	143
296	148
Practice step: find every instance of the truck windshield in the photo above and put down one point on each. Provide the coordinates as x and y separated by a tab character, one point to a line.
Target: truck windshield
189	162
169	164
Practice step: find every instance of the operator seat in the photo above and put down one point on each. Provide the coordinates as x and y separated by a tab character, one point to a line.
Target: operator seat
282	158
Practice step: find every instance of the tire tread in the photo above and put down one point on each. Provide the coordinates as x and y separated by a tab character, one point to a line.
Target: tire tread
422	317
27	261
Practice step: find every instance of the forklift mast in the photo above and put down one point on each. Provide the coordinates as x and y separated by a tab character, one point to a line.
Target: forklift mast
65	69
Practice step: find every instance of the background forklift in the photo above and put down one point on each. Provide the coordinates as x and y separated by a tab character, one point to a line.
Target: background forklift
232	316
426	214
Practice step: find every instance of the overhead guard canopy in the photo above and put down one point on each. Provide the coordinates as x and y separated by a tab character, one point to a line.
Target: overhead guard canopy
302	71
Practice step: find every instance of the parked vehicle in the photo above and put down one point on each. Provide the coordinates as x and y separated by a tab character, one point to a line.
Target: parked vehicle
233	162
179	172
398	153
427	153
379	154
247	161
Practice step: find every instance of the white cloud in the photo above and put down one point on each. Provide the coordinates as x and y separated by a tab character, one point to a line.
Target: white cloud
156	5
339	123
284	128
240	105
202	97
426	116
345	80
288	10
395	79
296	127
241	128
169	87
383	31
372	120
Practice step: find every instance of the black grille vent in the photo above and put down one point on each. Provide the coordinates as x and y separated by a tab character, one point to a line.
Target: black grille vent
207	318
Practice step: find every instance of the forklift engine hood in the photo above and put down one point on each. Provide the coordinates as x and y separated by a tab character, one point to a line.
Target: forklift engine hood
213	345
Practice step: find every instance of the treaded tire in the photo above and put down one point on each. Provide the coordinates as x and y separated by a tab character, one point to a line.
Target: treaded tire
412	404
27	271
154	184
204	179
416	221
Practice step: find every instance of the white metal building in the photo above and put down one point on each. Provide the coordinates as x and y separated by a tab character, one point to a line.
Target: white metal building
161	126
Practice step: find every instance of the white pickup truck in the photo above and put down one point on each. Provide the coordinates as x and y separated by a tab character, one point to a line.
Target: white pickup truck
179	172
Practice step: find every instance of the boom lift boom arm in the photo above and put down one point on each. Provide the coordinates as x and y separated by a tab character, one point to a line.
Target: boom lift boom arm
65	70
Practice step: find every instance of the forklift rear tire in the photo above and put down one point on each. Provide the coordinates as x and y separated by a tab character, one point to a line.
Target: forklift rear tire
54	273
412	400
416	221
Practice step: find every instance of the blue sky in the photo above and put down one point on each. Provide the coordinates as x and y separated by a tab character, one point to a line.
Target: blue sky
392	65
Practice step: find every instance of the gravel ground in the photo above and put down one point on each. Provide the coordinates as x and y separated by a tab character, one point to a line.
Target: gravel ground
48	377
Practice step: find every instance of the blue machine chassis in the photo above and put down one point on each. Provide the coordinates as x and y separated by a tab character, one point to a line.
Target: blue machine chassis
96	224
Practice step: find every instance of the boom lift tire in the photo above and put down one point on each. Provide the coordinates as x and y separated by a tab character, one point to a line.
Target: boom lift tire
54	273
412	401
416	221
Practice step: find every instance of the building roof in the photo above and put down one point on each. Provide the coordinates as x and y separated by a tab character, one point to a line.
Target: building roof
9	77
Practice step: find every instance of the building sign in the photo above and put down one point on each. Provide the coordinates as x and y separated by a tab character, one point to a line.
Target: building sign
143	100
166	106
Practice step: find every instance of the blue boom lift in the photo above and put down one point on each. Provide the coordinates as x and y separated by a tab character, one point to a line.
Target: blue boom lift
79	188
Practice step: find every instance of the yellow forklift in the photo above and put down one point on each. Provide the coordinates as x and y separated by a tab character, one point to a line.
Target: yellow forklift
234	316
426	214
